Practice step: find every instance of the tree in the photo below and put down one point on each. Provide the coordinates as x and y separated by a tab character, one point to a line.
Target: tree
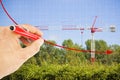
46	53
115	56
73	57
100	46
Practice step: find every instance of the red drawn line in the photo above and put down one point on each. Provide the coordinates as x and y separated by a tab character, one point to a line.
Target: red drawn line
74	49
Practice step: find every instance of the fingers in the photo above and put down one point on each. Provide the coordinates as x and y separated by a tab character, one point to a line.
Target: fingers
33	47
25	41
32	29
27	27
31	50
8	33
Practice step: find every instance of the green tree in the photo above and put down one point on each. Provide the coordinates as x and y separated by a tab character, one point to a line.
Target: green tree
115	56
46	53
100	46
73	57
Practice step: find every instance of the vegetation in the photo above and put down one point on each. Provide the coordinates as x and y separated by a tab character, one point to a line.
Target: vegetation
52	63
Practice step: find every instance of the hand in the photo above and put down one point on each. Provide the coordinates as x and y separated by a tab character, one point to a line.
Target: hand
12	55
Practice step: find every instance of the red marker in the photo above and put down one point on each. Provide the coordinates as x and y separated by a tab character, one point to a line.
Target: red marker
21	31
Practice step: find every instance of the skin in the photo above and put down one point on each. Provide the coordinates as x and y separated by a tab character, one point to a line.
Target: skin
12	55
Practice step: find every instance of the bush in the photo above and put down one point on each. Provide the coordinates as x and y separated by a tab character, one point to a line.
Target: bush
66	72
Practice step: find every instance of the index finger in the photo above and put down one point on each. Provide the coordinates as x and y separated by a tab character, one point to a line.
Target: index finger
32	29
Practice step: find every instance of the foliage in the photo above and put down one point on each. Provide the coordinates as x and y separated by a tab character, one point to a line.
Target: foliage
52	63
66	72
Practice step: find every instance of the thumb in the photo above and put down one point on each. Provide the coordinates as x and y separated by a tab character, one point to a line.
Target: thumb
31	50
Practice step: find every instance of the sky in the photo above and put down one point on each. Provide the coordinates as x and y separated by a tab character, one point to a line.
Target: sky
56	13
